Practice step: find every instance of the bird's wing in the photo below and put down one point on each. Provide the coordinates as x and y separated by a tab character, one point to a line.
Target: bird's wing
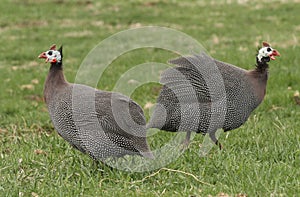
195	78
120	114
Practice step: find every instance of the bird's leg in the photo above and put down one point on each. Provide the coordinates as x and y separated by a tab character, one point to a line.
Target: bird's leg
186	142
212	136
219	144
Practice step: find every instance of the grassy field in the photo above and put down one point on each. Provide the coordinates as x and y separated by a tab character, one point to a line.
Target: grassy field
261	158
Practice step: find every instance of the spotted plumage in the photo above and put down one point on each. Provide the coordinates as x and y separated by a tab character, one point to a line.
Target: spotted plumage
99	123
186	99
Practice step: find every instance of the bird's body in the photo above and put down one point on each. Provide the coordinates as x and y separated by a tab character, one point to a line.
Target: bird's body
99	123
244	91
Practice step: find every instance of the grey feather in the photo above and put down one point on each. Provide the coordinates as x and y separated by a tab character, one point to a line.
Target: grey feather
99	123
202	94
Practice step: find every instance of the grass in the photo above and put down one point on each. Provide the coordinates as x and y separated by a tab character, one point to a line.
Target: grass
260	159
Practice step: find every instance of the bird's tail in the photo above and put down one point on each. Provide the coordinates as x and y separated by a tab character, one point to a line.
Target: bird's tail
148	155
142	146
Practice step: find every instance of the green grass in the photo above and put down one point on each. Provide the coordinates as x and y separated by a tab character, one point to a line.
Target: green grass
260	159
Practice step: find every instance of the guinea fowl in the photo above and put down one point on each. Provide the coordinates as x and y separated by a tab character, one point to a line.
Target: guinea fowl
99	123
243	91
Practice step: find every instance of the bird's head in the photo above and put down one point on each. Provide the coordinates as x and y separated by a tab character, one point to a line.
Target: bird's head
52	55
266	53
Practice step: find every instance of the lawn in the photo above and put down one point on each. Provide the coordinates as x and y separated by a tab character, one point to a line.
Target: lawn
261	158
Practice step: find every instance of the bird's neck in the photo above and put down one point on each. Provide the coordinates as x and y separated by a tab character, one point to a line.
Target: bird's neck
54	81
262	69
259	78
261	74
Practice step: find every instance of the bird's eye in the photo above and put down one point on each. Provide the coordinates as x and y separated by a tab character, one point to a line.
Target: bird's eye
269	49
49	52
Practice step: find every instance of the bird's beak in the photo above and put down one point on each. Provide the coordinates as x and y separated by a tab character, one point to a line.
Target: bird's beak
273	54
44	56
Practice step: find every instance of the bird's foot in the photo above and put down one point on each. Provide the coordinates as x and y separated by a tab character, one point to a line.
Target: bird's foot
219	145
184	145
